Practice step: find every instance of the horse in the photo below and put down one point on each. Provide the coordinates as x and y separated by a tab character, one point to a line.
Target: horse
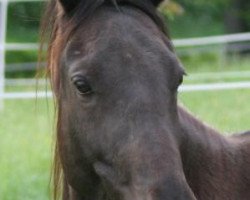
121	135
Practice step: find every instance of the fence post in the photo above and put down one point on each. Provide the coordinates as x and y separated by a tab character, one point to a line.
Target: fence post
3	25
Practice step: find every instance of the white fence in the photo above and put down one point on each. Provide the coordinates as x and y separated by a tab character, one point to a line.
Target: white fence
223	39
191	42
4	46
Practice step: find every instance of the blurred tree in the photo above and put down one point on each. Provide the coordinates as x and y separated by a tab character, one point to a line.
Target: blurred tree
237	16
237	19
193	18
196	9
236	13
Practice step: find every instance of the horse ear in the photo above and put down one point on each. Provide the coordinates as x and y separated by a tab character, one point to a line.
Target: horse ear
157	2
69	5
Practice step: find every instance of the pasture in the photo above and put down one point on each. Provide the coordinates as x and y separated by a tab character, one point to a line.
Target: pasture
26	136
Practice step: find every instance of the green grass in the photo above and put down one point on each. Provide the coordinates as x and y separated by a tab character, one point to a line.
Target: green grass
26	127
25	149
227	111
214	62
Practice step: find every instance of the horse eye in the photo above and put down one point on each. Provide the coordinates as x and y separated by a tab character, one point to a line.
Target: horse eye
82	85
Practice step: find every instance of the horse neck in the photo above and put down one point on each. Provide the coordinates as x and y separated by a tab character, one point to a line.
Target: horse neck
207	155
196	131
200	142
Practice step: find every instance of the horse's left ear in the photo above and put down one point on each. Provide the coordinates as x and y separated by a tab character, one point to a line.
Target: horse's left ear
69	5
157	2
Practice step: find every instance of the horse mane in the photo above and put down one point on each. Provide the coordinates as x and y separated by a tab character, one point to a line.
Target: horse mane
56	29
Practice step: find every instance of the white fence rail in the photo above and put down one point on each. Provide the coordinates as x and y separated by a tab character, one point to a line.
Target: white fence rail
215	86
26	82
26	95
219	75
222	39
21	47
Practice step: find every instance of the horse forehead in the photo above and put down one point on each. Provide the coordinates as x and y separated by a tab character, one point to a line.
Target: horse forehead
116	49
113	38
110	29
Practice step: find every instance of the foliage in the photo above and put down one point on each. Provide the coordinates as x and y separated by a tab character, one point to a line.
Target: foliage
23	21
171	9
